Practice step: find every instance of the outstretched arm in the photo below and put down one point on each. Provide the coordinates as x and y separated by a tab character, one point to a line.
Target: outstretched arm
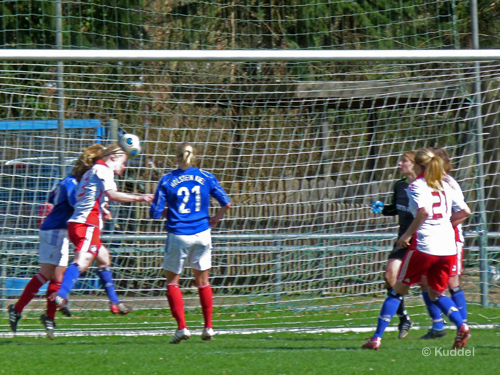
118	196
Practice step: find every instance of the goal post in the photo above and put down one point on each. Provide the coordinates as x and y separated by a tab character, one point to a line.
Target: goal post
302	141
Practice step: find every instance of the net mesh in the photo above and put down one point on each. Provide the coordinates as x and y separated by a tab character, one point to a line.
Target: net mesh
240	24
301	148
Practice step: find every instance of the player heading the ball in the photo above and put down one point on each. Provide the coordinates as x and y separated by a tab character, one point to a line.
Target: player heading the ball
84	227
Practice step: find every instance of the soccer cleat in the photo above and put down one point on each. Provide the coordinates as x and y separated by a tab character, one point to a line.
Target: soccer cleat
373	343
62	304
119	308
180	334
14	317
403	327
462	335
433	334
207	334
49	325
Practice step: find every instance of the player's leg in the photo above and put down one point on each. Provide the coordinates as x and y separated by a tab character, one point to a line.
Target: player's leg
50	244
437	330
81	262
176	304
389	308
106	278
50	270
48	319
200	258
457	294
29	292
438	279
448	307
206	302
87	241
390	276
413	267
176	251
56	253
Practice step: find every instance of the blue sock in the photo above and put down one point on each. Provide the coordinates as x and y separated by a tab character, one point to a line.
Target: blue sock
449	308
434	312
107	283
458	296
69	280
388	310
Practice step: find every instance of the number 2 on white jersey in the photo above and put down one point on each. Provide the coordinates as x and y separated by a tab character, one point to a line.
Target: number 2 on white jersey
438	210
185	192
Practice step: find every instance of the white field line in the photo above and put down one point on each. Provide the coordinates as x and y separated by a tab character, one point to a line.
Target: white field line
197	332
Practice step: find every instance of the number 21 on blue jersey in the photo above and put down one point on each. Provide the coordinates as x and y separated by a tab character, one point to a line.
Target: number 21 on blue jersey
186	195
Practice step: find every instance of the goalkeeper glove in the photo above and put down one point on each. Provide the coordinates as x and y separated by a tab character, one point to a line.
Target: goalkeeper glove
377	207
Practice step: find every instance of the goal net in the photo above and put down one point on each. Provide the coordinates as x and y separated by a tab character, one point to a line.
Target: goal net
302	148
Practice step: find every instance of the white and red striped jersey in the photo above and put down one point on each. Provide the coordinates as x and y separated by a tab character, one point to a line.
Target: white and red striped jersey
454	184
436	235
90	195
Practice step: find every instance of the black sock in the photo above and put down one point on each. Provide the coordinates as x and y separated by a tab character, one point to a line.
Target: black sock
401	312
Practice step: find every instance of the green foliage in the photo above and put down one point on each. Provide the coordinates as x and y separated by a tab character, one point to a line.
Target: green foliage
489	27
27	24
100	24
312	24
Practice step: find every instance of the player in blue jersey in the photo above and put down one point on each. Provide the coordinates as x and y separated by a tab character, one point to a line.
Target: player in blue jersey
400	207
54	244
183	197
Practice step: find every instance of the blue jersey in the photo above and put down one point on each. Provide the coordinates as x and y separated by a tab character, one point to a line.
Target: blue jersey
186	195
63	198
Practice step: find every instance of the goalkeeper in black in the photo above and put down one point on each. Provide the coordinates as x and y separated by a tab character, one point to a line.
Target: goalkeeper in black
399	206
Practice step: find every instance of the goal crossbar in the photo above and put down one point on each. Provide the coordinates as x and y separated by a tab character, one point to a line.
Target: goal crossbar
249	55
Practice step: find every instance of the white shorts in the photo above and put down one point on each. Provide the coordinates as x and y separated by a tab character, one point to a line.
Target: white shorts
194	248
54	247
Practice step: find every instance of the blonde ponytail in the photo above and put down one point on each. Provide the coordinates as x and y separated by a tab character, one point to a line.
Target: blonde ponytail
433	166
185	155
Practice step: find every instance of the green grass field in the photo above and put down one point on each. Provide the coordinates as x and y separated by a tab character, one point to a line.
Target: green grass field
282	353
276	353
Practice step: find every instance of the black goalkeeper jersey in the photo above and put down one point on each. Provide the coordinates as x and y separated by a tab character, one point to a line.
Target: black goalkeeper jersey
400	206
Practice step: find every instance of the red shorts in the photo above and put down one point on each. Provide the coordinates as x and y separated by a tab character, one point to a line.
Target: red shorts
86	238
438	269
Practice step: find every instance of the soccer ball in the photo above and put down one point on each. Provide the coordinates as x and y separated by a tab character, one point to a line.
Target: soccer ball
493	274
130	143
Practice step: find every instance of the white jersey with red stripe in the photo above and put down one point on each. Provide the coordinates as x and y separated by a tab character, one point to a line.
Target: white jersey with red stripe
454	185
91	195
436	235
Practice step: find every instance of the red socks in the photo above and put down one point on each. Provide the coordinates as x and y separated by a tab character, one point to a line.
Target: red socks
206	302
30	291
53	287
176	303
